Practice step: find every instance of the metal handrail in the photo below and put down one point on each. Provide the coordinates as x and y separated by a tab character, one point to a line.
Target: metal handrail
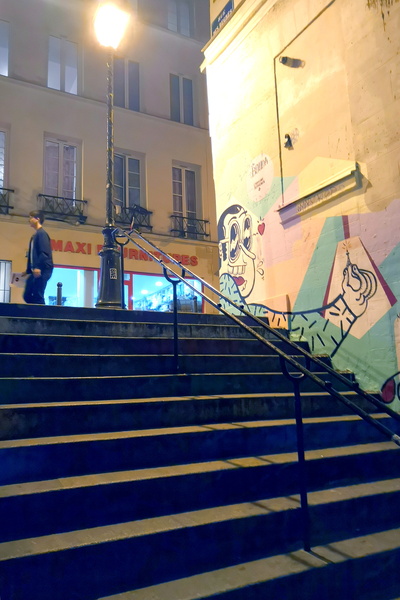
295	378
309	357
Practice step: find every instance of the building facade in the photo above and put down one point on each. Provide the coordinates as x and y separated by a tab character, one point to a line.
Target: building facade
304	99
53	115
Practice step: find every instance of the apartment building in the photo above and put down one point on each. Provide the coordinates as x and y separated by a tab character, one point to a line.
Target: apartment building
53	126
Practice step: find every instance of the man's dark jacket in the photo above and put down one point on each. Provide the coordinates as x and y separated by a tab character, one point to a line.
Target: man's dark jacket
39	254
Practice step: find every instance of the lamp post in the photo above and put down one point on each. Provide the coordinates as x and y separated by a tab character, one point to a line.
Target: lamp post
110	23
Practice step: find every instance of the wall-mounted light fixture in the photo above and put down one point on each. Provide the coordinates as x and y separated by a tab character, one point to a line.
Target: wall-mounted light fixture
293	63
288	142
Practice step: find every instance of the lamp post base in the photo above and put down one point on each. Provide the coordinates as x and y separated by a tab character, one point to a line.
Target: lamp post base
110	292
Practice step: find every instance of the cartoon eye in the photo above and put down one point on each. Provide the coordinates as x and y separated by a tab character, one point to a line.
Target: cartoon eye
247	233
234	239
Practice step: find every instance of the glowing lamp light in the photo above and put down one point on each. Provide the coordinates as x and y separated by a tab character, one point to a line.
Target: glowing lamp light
110	24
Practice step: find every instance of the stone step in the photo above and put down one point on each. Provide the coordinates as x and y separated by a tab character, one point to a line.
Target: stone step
102	561
140	329
37	459
96	365
40	419
47	389
87	501
359	567
101	314
87	344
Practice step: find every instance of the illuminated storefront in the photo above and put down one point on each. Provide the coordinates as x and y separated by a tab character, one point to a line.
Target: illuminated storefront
77	265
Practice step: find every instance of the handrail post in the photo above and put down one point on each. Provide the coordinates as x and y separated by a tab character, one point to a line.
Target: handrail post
302	466
59	293
174	283
122	263
296	378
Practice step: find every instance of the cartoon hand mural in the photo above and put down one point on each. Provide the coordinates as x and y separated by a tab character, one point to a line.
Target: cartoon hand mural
358	285
325	327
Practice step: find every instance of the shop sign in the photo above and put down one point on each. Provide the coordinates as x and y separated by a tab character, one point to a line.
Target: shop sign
130	254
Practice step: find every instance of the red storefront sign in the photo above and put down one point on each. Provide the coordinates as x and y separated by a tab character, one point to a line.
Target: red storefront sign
129	253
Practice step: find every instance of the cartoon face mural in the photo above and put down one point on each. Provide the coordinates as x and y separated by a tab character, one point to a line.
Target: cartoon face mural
236	232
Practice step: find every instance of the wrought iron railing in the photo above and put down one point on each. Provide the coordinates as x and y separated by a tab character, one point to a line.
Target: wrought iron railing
301	371
136	214
5	194
187	227
59	208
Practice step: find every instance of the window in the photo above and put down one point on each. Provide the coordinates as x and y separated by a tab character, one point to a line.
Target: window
181	94
62	65
126	84
127	180
2	157
79	287
60	168
179	17
4	43
5	276
184	191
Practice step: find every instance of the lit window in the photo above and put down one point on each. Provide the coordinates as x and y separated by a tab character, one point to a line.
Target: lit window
181	96
128	180
126	84
5	276
60	169
4	44
62	65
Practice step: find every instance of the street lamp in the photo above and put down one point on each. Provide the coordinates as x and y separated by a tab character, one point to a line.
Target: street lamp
110	23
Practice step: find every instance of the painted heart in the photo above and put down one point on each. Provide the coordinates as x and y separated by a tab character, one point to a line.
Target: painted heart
261	228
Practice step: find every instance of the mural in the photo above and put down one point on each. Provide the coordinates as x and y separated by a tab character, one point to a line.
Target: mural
343	303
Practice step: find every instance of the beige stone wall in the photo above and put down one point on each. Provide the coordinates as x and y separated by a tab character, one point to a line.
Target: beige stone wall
304	104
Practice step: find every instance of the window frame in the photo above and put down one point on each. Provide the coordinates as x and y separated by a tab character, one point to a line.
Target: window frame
6	47
126	155
186	168
5	279
4	131
180	110
177	23
131	101
62	56
63	143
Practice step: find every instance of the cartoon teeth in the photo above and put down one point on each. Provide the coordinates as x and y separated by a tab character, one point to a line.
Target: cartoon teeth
236	269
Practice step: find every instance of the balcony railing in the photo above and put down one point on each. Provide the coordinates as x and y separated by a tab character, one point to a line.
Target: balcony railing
5	194
187	227
139	215
58	208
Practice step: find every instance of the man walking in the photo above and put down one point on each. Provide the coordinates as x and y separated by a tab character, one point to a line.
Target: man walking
40	261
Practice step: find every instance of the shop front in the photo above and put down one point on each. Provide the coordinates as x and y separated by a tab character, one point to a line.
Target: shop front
142	291
77	269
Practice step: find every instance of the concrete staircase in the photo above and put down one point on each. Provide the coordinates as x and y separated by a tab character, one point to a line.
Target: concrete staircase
120	479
